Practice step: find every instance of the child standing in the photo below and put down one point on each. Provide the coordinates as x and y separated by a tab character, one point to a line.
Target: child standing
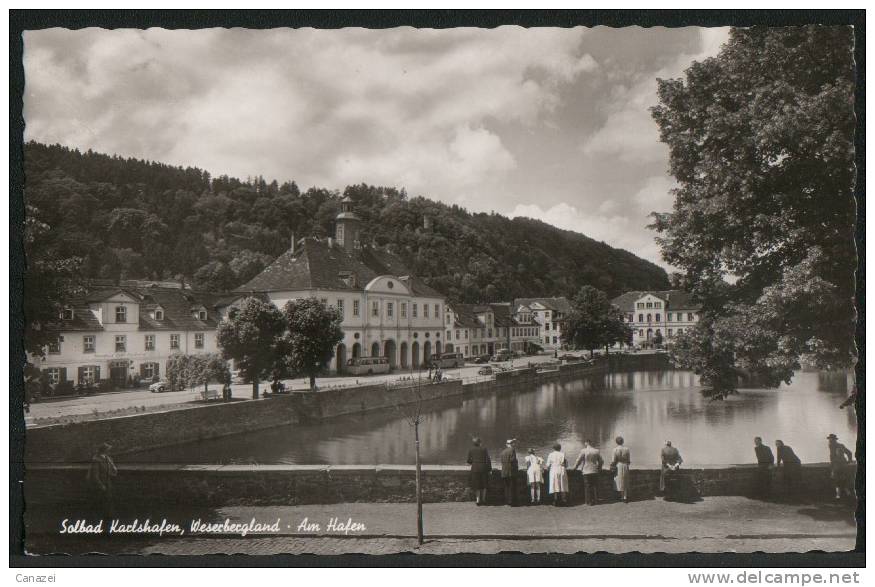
535	475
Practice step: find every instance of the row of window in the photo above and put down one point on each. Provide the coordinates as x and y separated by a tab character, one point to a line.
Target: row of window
657	317
390	309
658	331
487	332
555	340
89	344
648	305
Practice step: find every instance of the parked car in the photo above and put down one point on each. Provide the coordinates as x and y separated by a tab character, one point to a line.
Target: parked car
481	359
448	360
160	387
502	355
485	371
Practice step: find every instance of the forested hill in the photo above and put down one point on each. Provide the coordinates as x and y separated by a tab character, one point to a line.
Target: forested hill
128	218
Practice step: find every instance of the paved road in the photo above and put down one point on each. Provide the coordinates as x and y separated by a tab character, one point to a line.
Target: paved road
715	524
121	401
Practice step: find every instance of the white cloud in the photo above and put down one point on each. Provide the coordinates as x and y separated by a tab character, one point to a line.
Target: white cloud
629	132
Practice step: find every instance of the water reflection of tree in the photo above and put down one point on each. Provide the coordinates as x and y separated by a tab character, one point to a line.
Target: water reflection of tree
832	381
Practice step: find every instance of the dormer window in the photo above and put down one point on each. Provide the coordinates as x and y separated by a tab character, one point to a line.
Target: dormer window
159	314
67	314
202	315
121	314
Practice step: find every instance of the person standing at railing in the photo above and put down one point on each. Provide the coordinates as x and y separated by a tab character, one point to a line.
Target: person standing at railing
592	462
557	465
622	460
534	476
481	468
509	469
792	466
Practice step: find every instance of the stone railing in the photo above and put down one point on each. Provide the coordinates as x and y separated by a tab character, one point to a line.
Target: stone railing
220	485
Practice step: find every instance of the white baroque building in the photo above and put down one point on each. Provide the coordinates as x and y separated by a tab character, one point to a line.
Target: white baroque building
648	313
386	311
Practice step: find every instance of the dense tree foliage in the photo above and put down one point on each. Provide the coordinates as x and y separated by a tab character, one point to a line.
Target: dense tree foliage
128	218
194	370
594	322
51	279
250	336
761	142
313	331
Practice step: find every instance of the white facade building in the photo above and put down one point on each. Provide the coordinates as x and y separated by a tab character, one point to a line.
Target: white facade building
657	314
386	311
128	331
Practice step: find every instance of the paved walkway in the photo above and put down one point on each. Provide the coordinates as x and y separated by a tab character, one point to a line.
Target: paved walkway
123	402
715	524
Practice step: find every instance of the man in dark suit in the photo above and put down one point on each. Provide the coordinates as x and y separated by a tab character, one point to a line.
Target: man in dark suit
509	468
792	467
765	462
481	467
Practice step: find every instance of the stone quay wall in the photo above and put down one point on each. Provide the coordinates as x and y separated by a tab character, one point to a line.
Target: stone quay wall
75	442
218	485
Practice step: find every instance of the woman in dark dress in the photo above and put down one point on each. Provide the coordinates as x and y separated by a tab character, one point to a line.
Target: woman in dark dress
481	467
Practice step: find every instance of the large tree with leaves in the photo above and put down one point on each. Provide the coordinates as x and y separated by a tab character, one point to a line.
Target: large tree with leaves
313	332
51	280
761	145
593	322
250	337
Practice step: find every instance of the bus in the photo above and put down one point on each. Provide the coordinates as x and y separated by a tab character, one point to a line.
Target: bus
448	360
367	365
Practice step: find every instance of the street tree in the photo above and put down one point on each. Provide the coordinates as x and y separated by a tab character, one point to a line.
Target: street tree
250	337
51	280
312	333
593	322
761	146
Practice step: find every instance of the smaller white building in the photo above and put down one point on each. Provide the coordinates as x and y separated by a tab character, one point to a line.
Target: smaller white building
122	332
549	315
657	314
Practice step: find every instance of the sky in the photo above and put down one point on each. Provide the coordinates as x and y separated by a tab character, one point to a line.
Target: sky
548	123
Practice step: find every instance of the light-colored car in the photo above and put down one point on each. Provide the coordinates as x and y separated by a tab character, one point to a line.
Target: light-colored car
159	387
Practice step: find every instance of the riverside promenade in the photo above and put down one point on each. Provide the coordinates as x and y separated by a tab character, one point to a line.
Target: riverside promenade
714	524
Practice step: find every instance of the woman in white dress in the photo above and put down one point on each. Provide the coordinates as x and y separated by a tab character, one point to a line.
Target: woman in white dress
621	462
557	465
535	475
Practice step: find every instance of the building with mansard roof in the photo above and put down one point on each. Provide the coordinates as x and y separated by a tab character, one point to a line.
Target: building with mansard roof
128	330
664	313
387	312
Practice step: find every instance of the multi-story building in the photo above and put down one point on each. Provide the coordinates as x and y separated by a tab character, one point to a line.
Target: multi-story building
549	314
484	329
129	330
386	311
652	313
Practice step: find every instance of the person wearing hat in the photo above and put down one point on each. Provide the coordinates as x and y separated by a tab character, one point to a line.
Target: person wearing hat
509	468
100	474
481	467
839	457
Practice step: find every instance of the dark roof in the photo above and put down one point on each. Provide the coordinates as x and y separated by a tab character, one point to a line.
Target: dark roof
316	265
178	305
466	315
675	299
560	304
503	315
